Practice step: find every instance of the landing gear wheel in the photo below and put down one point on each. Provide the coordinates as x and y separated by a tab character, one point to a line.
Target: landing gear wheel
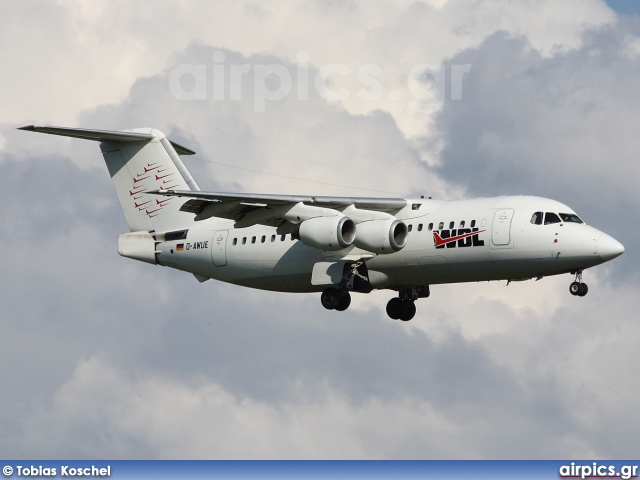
330	298
575	288
408	310
583	290
394	308
399	309
345	301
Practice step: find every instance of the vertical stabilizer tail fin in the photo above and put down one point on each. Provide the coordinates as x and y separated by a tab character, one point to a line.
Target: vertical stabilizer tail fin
140	161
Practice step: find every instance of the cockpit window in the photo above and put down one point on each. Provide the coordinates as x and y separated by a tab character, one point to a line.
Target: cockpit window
550	217
536	218
570	217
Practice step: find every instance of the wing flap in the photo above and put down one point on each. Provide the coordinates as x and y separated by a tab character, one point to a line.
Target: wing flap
196	206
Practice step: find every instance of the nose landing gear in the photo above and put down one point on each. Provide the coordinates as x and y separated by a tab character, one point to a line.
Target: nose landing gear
577	288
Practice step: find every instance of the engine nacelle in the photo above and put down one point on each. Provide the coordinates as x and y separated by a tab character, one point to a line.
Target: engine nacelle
382	236
328	233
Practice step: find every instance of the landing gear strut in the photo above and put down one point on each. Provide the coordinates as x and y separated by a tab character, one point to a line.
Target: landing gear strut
577	288
352	279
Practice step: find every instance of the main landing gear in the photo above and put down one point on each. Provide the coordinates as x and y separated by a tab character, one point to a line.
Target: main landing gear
577	288
403	307
335	299
355	278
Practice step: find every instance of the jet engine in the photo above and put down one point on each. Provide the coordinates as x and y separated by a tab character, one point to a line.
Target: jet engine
328	233
382	236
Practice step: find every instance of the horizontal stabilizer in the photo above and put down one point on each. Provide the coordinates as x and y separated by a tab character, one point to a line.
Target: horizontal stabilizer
103	136
97	135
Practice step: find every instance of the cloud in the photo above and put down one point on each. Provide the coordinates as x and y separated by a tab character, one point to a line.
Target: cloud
315	139
408	397
560	127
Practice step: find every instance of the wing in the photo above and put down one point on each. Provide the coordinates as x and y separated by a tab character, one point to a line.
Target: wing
250	208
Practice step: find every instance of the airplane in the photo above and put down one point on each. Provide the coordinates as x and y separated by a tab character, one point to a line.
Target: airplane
334	246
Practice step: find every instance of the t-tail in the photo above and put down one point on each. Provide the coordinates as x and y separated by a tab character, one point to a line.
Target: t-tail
140	161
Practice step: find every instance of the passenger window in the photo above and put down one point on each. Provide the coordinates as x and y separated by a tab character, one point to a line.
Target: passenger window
235	241
441	226
282	237
462	224
264	238
253	240
550	218
244	240
451	224
420	227
536	218
410	227
430	226
273	238
473	223
570	217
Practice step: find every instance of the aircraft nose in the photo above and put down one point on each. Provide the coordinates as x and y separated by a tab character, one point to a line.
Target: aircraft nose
609	248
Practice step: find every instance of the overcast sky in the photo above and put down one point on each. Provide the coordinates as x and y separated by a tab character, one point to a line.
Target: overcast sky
105	357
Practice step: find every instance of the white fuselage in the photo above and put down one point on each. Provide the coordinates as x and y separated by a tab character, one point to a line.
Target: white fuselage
493	239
